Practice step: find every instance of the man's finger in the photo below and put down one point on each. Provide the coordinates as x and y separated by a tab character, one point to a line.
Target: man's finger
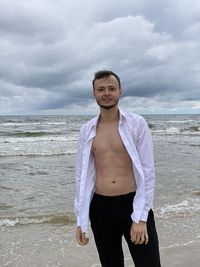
85	240
146	238
79	240
137	240
133	237
142	239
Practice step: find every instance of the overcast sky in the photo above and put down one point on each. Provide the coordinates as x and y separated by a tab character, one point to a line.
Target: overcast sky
50	49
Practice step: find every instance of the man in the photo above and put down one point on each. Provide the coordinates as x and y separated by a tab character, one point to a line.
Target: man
115	180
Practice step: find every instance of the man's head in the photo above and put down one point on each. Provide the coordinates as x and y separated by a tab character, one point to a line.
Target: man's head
106	89
105	74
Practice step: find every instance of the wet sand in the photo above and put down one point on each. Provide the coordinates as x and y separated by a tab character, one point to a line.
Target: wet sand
54	245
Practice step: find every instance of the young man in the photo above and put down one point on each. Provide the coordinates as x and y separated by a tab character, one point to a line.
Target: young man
115	180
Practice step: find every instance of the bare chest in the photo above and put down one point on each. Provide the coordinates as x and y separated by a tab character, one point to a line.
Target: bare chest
108	139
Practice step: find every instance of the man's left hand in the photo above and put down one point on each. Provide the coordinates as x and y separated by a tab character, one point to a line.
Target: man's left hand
139	233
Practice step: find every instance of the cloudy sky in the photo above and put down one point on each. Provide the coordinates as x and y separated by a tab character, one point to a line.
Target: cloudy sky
50	49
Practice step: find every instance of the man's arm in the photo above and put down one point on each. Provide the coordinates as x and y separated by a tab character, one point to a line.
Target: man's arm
80	236
78	179
138	233
145	151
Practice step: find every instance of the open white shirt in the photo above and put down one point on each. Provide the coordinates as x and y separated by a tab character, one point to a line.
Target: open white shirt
136	137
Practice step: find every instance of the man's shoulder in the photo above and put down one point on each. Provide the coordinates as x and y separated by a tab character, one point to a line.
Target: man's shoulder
89	124
132	116
135	122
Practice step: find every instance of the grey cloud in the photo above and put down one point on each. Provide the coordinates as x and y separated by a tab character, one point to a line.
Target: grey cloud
49	52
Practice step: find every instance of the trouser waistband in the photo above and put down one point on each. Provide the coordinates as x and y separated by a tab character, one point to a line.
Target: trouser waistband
113	198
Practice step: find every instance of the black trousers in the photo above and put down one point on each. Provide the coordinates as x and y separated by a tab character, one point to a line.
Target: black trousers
110	218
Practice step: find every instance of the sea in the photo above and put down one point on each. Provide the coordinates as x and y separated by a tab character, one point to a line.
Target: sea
37	170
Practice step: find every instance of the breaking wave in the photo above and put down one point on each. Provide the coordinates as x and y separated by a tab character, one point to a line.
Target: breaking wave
29	134
187	208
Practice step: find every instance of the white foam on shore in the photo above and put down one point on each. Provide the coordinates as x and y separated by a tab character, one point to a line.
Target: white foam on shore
189	206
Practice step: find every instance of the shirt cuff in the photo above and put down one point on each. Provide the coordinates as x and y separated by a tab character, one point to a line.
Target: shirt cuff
78	222
144	215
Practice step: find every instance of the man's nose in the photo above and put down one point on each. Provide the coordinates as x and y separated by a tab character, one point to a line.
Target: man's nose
107	91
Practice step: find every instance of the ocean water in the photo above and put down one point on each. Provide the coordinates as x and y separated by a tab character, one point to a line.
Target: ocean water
37	165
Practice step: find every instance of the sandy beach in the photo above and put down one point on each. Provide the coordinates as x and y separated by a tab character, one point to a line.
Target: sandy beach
47	245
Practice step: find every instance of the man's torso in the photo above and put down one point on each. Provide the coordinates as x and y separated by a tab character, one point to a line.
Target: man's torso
114	172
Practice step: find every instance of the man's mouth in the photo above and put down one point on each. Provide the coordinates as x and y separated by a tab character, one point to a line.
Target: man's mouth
107	99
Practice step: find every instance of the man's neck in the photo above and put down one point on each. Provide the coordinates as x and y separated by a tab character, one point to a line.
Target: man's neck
109	115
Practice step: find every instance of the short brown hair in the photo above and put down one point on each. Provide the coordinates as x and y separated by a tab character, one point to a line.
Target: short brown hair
104	74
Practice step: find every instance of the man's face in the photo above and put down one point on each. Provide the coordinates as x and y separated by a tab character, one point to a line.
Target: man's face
107	92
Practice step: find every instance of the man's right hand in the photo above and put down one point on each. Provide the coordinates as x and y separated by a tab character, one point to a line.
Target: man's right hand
81	237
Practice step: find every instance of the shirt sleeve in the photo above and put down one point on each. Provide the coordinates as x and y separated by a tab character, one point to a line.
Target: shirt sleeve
145	152
78	179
